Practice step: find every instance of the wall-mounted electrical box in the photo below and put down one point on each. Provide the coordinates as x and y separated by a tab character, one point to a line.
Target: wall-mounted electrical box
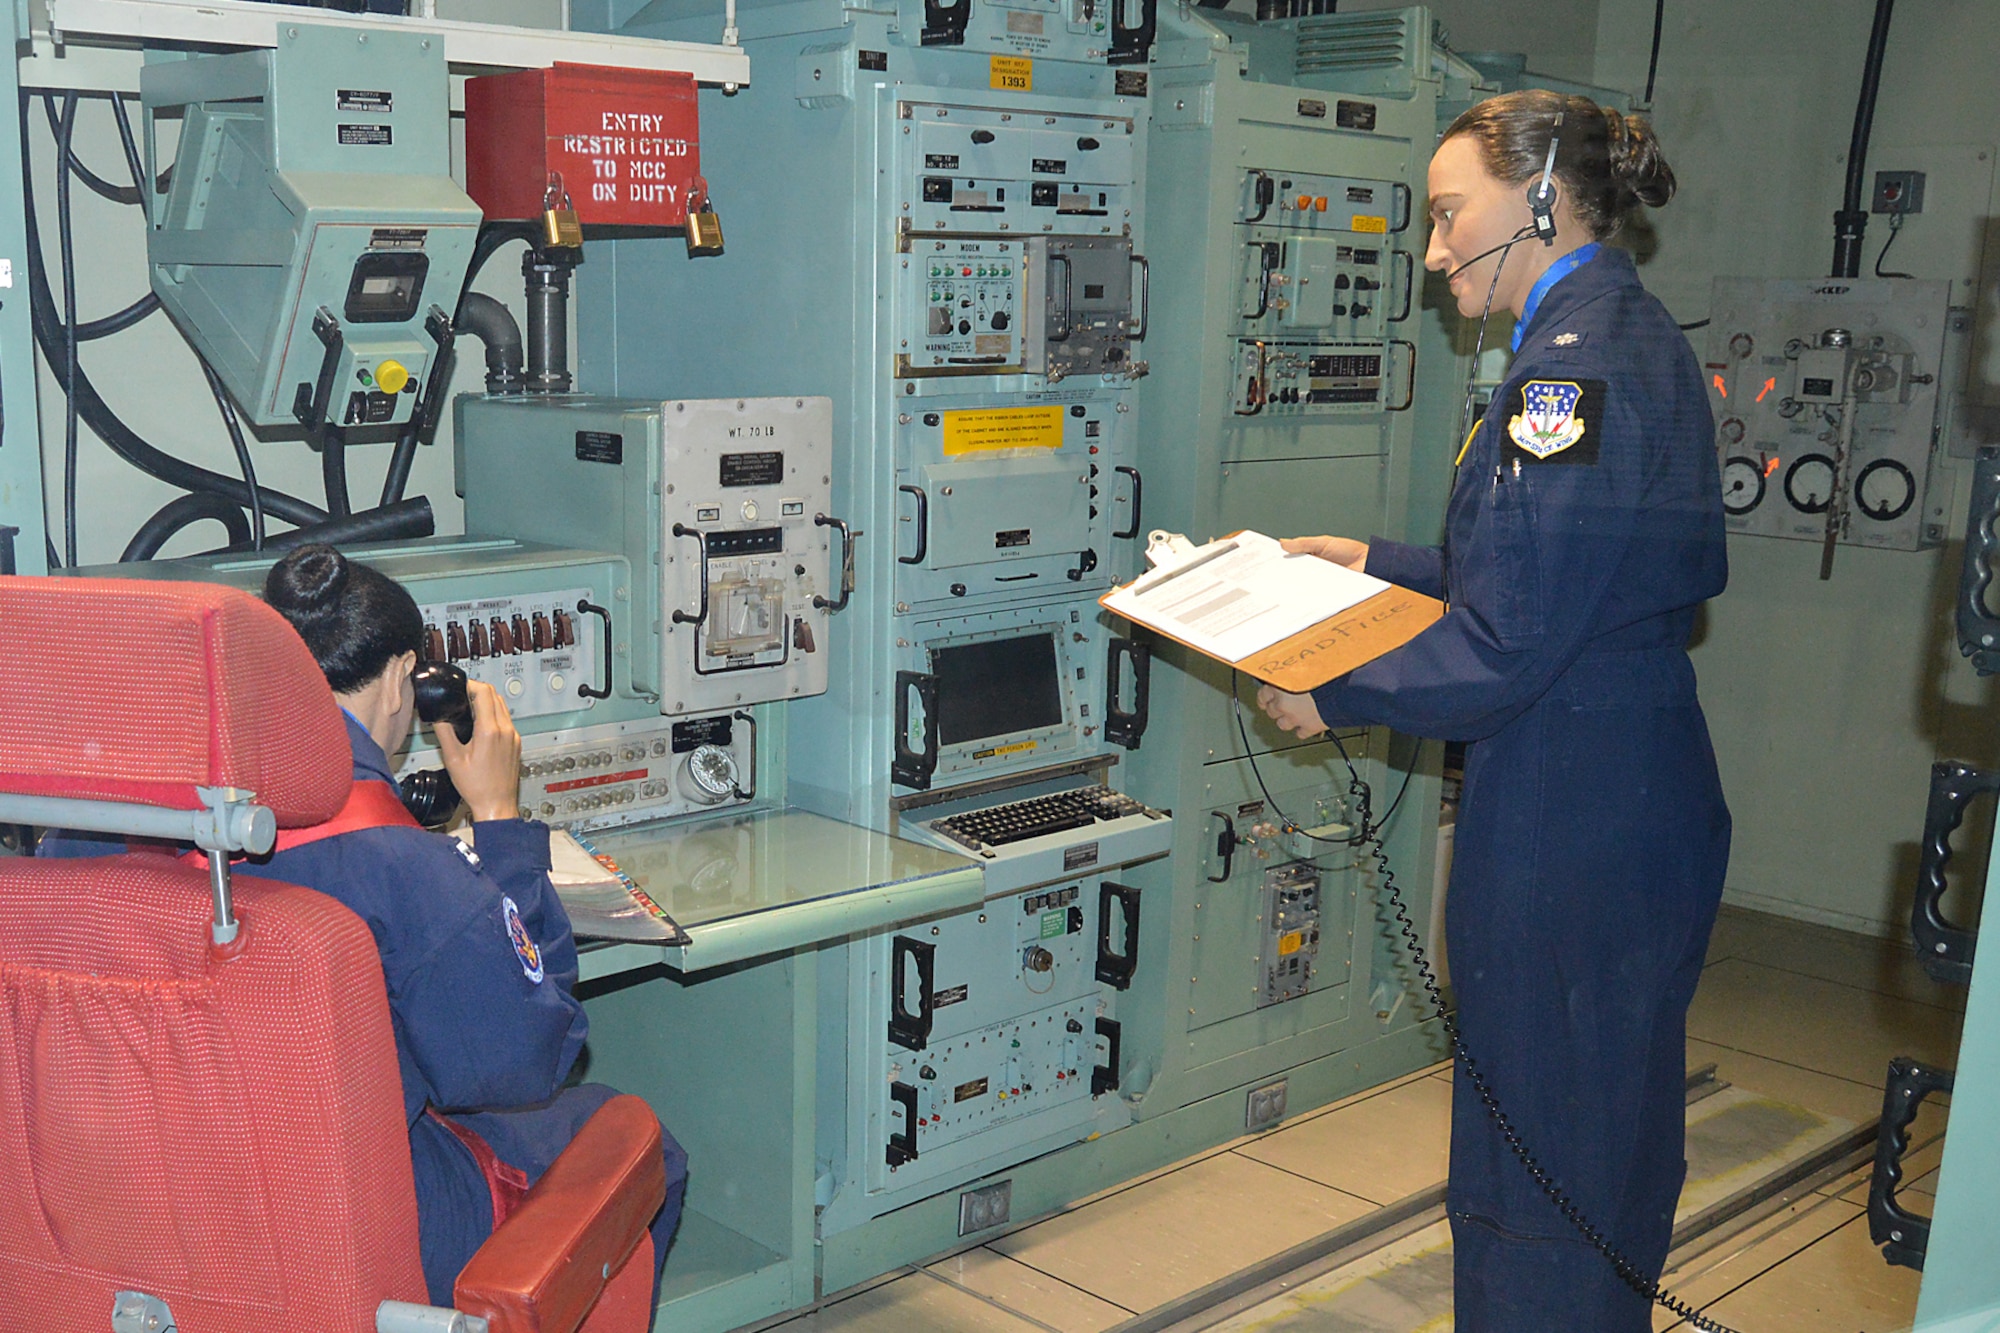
1826	395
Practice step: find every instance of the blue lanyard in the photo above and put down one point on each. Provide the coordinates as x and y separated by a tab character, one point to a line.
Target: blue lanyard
1559	270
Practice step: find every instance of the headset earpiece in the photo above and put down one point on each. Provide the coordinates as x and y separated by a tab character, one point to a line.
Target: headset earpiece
1542	191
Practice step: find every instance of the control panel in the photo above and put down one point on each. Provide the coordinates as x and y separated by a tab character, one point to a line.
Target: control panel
541	651
1291	932
1024	172
746	576
1323	282
966	296
1826	405
994	1019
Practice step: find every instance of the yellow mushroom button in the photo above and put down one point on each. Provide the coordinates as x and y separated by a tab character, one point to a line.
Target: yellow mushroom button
391	376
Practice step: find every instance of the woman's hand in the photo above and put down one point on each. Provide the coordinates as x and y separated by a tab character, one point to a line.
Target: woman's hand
1296	713
1337	550
487	769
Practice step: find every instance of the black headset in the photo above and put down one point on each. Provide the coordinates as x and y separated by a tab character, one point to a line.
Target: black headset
1542	193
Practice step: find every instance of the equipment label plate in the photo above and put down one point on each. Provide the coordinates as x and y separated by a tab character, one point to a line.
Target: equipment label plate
1079	856
364	99
365	134
974	432
600	446
1362	222
954	995
1015	74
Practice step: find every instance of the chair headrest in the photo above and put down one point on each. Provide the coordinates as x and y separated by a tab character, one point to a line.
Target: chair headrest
141	691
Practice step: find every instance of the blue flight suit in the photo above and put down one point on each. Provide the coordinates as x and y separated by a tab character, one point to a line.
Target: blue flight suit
1592	835
485	1028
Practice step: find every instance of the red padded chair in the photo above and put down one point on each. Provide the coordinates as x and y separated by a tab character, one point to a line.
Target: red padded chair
200	1107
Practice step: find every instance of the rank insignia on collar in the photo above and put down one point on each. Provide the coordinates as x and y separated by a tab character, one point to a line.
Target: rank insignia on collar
1567	340
1549	422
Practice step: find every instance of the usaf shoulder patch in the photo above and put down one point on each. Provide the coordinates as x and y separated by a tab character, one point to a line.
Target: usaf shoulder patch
525	947
1559	421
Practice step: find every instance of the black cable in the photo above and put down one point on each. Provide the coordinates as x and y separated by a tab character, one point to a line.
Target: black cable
1698	324
333	471
1851	222
131	147
117	194
1895	230
65	162
1371	831
181	512
118	321
1653	64
234	426
119	437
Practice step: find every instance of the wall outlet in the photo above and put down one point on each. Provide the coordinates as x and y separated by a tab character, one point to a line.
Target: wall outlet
1266	1107
1898	192
987	1206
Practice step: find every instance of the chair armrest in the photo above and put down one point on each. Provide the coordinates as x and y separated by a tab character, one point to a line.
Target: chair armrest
544	1267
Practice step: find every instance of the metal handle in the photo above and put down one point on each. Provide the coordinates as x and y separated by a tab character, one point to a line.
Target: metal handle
1129	45
1115	967
701	541
846	563
1126	726
1104	1077
911	1030
1225	847
590	608
311	412
445	338
913	768
1138	502
1903	1235
1145	298
1267	264
923	526
741	793
1064	323
1978	626
1261	194
1410	394
1409	283
1946	950
1399	192
903	1147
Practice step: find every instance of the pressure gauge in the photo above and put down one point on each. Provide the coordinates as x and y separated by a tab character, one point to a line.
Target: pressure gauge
1884	490
707	775
1742	485
1809	483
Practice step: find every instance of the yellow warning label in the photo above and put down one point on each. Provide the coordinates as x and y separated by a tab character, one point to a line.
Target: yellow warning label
1362	222
1002	428
1014	73
1289	944
1018	747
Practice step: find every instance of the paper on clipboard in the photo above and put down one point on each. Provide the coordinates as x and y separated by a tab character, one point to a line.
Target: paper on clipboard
1292	621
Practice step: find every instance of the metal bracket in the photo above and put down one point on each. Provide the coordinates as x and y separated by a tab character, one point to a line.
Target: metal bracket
1104	1077
913	768
1131	45
1903	1236
1225	847
1945	950
911	1030
1115	969
136	1312
1978	625
1121	726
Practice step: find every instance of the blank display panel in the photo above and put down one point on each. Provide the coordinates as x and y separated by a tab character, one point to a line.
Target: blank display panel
996	688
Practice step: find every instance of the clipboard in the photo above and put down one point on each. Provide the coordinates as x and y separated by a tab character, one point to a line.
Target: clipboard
1329	649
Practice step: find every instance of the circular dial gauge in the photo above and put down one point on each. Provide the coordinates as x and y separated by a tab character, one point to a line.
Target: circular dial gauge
1742	485
708	775
1809	483
1884	490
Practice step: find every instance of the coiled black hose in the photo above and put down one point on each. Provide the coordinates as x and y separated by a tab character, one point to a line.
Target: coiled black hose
181	512
397	522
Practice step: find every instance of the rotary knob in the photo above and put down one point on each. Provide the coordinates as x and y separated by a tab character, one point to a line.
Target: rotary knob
707	775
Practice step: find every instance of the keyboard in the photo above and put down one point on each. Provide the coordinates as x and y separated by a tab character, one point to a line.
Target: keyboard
1036	817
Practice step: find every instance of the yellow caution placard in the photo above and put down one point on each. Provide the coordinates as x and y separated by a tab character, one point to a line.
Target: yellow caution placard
1362	222
1003	428
1290	942
1016	74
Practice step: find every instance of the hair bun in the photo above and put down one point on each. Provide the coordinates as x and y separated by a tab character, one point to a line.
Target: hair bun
307	582
1636	160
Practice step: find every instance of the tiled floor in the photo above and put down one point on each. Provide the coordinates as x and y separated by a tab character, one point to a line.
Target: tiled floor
1802	1013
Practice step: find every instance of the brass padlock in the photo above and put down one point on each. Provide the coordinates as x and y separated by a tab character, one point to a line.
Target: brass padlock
704	230
561	227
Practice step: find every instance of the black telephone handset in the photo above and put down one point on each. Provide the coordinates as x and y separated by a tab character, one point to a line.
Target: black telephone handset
429	794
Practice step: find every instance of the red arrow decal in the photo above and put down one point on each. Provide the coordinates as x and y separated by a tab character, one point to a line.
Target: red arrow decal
1720	387
1769	385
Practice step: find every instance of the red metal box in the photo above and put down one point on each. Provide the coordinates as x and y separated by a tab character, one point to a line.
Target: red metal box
625	143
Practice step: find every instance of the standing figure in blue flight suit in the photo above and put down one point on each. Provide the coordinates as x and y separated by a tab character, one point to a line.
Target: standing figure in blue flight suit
1583	532
476	948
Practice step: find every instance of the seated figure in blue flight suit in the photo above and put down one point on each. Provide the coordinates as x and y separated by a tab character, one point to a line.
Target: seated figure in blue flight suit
1583	532
476	948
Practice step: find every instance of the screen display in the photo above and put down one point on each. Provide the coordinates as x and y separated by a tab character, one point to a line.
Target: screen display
996	688
386	286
